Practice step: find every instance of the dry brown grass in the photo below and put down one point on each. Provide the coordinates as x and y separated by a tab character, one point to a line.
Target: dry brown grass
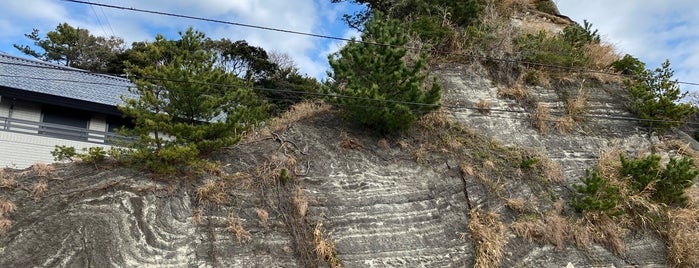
5	225
39	189
607	231
467	169
682	235
609	164
540	118
7	207
323	248
553	172
296	112
7	179
437	119
535	77
349	143
578	106
263	216
383	144
601	55
420	153
489	165
196	216
484	107
212	191
489	236
564	124
680	147
235	226
517	204
300	202
555	230
42	170
516	92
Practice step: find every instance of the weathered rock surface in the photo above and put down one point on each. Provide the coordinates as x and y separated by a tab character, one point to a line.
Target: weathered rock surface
378	205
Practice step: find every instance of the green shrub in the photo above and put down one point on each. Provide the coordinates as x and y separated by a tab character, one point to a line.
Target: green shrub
668	184
547	6
596	194
552	50
578	36
629	65
93	155
62	153
431	29
528	163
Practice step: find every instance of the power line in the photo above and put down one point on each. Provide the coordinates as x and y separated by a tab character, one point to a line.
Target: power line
98	19
411	105
472	55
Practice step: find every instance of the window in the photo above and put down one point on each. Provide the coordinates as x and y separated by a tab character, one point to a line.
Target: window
65	123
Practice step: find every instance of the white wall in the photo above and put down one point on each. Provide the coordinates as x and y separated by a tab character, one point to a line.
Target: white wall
19	150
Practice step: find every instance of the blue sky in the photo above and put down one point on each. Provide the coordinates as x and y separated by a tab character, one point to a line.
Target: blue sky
18	17
651	30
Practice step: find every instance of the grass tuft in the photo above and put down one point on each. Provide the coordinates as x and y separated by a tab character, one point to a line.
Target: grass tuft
5	225
212	191
42	169
540	118
39	189
323	248
7	207
682	237
263	216
488	233
235	226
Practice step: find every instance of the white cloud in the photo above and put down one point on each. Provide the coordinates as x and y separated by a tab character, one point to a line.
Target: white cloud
309	16
651	30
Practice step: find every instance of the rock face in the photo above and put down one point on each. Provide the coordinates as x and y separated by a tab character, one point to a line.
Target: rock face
382	203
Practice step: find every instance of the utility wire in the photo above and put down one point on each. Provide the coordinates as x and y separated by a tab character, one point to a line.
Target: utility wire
412	105
472	55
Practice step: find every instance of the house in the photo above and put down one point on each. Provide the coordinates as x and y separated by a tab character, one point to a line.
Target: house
43	105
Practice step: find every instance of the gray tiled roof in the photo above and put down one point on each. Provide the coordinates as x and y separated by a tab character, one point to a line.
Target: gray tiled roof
62	81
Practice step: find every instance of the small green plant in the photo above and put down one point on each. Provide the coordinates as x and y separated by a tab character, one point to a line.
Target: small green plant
629	65
553	50
578	36
63	153
547	6
642	171
93	155
284	176
528	163
596	194
668	184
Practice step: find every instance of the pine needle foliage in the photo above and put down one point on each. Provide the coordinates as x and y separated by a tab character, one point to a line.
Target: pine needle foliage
656	97
668	184
182	111
389	94
596	194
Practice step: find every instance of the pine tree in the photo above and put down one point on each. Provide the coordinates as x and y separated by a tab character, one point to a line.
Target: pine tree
597	194
655	96
382	86
187	104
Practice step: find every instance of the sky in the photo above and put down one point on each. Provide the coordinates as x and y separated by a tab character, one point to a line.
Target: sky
19	17
651	30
